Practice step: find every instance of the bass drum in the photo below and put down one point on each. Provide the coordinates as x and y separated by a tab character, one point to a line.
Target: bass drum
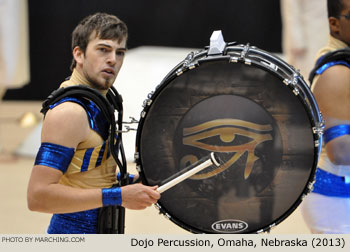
253	110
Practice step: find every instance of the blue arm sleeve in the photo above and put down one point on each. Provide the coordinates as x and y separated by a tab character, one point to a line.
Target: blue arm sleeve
55	156
336	131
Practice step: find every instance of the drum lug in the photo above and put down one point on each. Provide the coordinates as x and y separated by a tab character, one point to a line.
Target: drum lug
179	71
296	91
143	114
242	57
317	143
271	227
188	60
167	216
267	230
159	208
287	82
192	66
260	231
147	102
247	61
234	59
187	65
319	128
311	186
293	84
149	96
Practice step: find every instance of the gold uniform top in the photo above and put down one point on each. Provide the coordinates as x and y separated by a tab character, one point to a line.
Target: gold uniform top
92	166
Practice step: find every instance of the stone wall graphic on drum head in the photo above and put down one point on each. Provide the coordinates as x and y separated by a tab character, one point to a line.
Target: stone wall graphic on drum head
249	145
262	130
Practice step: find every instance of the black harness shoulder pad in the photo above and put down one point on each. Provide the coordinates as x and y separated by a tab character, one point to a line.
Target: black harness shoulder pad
107	106
341	54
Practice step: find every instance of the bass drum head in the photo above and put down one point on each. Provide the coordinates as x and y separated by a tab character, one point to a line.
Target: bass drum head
253	121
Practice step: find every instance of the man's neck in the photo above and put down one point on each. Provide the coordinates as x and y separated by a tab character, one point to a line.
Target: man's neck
77	78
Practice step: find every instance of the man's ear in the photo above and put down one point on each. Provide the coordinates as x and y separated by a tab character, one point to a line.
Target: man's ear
334	25
78	55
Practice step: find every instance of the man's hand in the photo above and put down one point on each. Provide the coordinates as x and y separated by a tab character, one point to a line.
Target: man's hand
138	196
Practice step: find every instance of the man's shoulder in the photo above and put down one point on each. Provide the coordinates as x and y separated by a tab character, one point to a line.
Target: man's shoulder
66	123
67	113
338	73
333	84
335	77
68	108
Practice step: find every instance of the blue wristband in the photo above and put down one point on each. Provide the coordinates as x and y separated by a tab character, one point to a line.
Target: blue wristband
112	196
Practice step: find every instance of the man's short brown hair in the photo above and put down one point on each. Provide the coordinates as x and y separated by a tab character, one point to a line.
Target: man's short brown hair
104	25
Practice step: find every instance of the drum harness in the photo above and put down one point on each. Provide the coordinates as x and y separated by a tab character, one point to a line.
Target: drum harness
111	219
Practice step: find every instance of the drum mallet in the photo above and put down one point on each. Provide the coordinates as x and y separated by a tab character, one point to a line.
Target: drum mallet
187	172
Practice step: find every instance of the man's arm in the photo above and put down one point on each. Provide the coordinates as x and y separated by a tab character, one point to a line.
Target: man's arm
46	195
67	125
332	92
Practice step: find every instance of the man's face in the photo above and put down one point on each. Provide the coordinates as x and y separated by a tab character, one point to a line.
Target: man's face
102	61
344	23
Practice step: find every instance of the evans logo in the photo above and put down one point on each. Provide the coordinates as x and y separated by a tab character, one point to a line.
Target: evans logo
229	226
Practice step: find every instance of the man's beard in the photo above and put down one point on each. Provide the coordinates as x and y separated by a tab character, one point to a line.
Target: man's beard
98	86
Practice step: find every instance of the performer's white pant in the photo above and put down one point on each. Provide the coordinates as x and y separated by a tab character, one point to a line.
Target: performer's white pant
326	215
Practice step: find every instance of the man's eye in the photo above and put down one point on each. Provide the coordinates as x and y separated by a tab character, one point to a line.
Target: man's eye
120	53
102	49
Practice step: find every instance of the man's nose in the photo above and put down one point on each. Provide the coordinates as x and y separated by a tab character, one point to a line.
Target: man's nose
112	59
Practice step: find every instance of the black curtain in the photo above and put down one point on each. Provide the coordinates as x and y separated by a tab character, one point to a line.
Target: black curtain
180	23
